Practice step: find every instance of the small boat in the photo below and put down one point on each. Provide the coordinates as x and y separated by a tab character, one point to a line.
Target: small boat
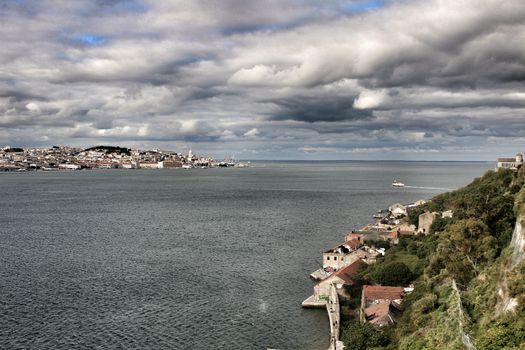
398	184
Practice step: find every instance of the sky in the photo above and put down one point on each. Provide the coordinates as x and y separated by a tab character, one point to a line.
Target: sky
267	79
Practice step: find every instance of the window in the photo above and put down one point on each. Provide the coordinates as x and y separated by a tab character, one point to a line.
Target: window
335	257
327	258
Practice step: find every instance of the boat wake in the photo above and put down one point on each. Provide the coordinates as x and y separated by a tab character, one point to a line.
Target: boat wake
430	188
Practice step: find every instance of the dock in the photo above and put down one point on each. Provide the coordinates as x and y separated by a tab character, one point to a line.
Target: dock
334	315
319	275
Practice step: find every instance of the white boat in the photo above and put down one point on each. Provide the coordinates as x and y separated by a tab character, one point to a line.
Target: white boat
398	184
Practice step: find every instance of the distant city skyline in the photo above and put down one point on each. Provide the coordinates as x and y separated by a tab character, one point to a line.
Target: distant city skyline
269	79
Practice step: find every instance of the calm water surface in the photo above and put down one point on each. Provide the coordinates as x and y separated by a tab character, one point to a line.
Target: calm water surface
185	259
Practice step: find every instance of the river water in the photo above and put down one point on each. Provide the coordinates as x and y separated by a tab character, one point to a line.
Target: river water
186	259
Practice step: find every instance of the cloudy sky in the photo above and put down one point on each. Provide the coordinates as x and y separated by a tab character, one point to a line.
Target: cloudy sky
267	79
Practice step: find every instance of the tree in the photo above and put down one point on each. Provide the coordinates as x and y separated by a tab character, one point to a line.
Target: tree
394	273
357	336
465	247
439	224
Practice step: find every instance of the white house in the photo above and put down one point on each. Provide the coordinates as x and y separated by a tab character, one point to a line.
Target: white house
510	163
398	209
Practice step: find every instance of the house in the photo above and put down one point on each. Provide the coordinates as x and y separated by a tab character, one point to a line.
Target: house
369	254
169	164
406	230
149	165
425	221
398	209
345	276
510	163
447	214
106	165
416	204
129	165
340	256
354	235
67	166
380	305
382	313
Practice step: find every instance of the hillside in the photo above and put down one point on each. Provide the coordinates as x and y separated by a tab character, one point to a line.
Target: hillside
468	273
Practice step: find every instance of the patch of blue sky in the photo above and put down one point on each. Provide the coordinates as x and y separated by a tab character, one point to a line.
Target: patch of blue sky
90	39
362	6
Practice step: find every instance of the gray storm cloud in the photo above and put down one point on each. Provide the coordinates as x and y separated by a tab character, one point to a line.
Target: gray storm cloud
266	79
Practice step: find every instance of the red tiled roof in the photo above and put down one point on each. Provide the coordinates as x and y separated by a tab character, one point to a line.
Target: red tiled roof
348	273
378	310
379	314
353	243
372	293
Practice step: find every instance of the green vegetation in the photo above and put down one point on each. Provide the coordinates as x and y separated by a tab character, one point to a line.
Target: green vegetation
14	150
470	249
359	336
110	149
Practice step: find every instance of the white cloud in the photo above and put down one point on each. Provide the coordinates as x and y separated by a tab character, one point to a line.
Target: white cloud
247	74
371	99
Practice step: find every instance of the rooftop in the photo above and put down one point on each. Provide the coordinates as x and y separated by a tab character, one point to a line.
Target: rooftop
372	293
348	273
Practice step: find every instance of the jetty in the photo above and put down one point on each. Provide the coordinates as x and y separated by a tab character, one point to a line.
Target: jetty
331	303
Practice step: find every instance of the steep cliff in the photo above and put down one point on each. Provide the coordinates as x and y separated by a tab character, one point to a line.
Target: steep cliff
517	244
471	291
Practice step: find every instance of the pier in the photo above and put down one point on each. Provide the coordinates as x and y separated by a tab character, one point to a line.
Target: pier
334	315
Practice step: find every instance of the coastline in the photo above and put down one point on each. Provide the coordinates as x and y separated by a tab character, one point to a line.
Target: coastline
342	263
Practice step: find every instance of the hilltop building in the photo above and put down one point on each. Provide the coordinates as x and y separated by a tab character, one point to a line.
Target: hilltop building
510	163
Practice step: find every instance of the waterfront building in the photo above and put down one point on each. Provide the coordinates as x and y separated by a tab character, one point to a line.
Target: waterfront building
149	165
169	164
398	210
69	166
345	276
340	256
106	165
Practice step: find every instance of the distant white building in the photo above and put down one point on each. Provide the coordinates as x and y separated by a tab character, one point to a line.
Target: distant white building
69	166
510	163
398	209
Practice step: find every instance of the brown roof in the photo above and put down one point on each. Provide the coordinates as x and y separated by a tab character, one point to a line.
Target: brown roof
349	272
378	310
510	160
353	243
372	293
380	314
